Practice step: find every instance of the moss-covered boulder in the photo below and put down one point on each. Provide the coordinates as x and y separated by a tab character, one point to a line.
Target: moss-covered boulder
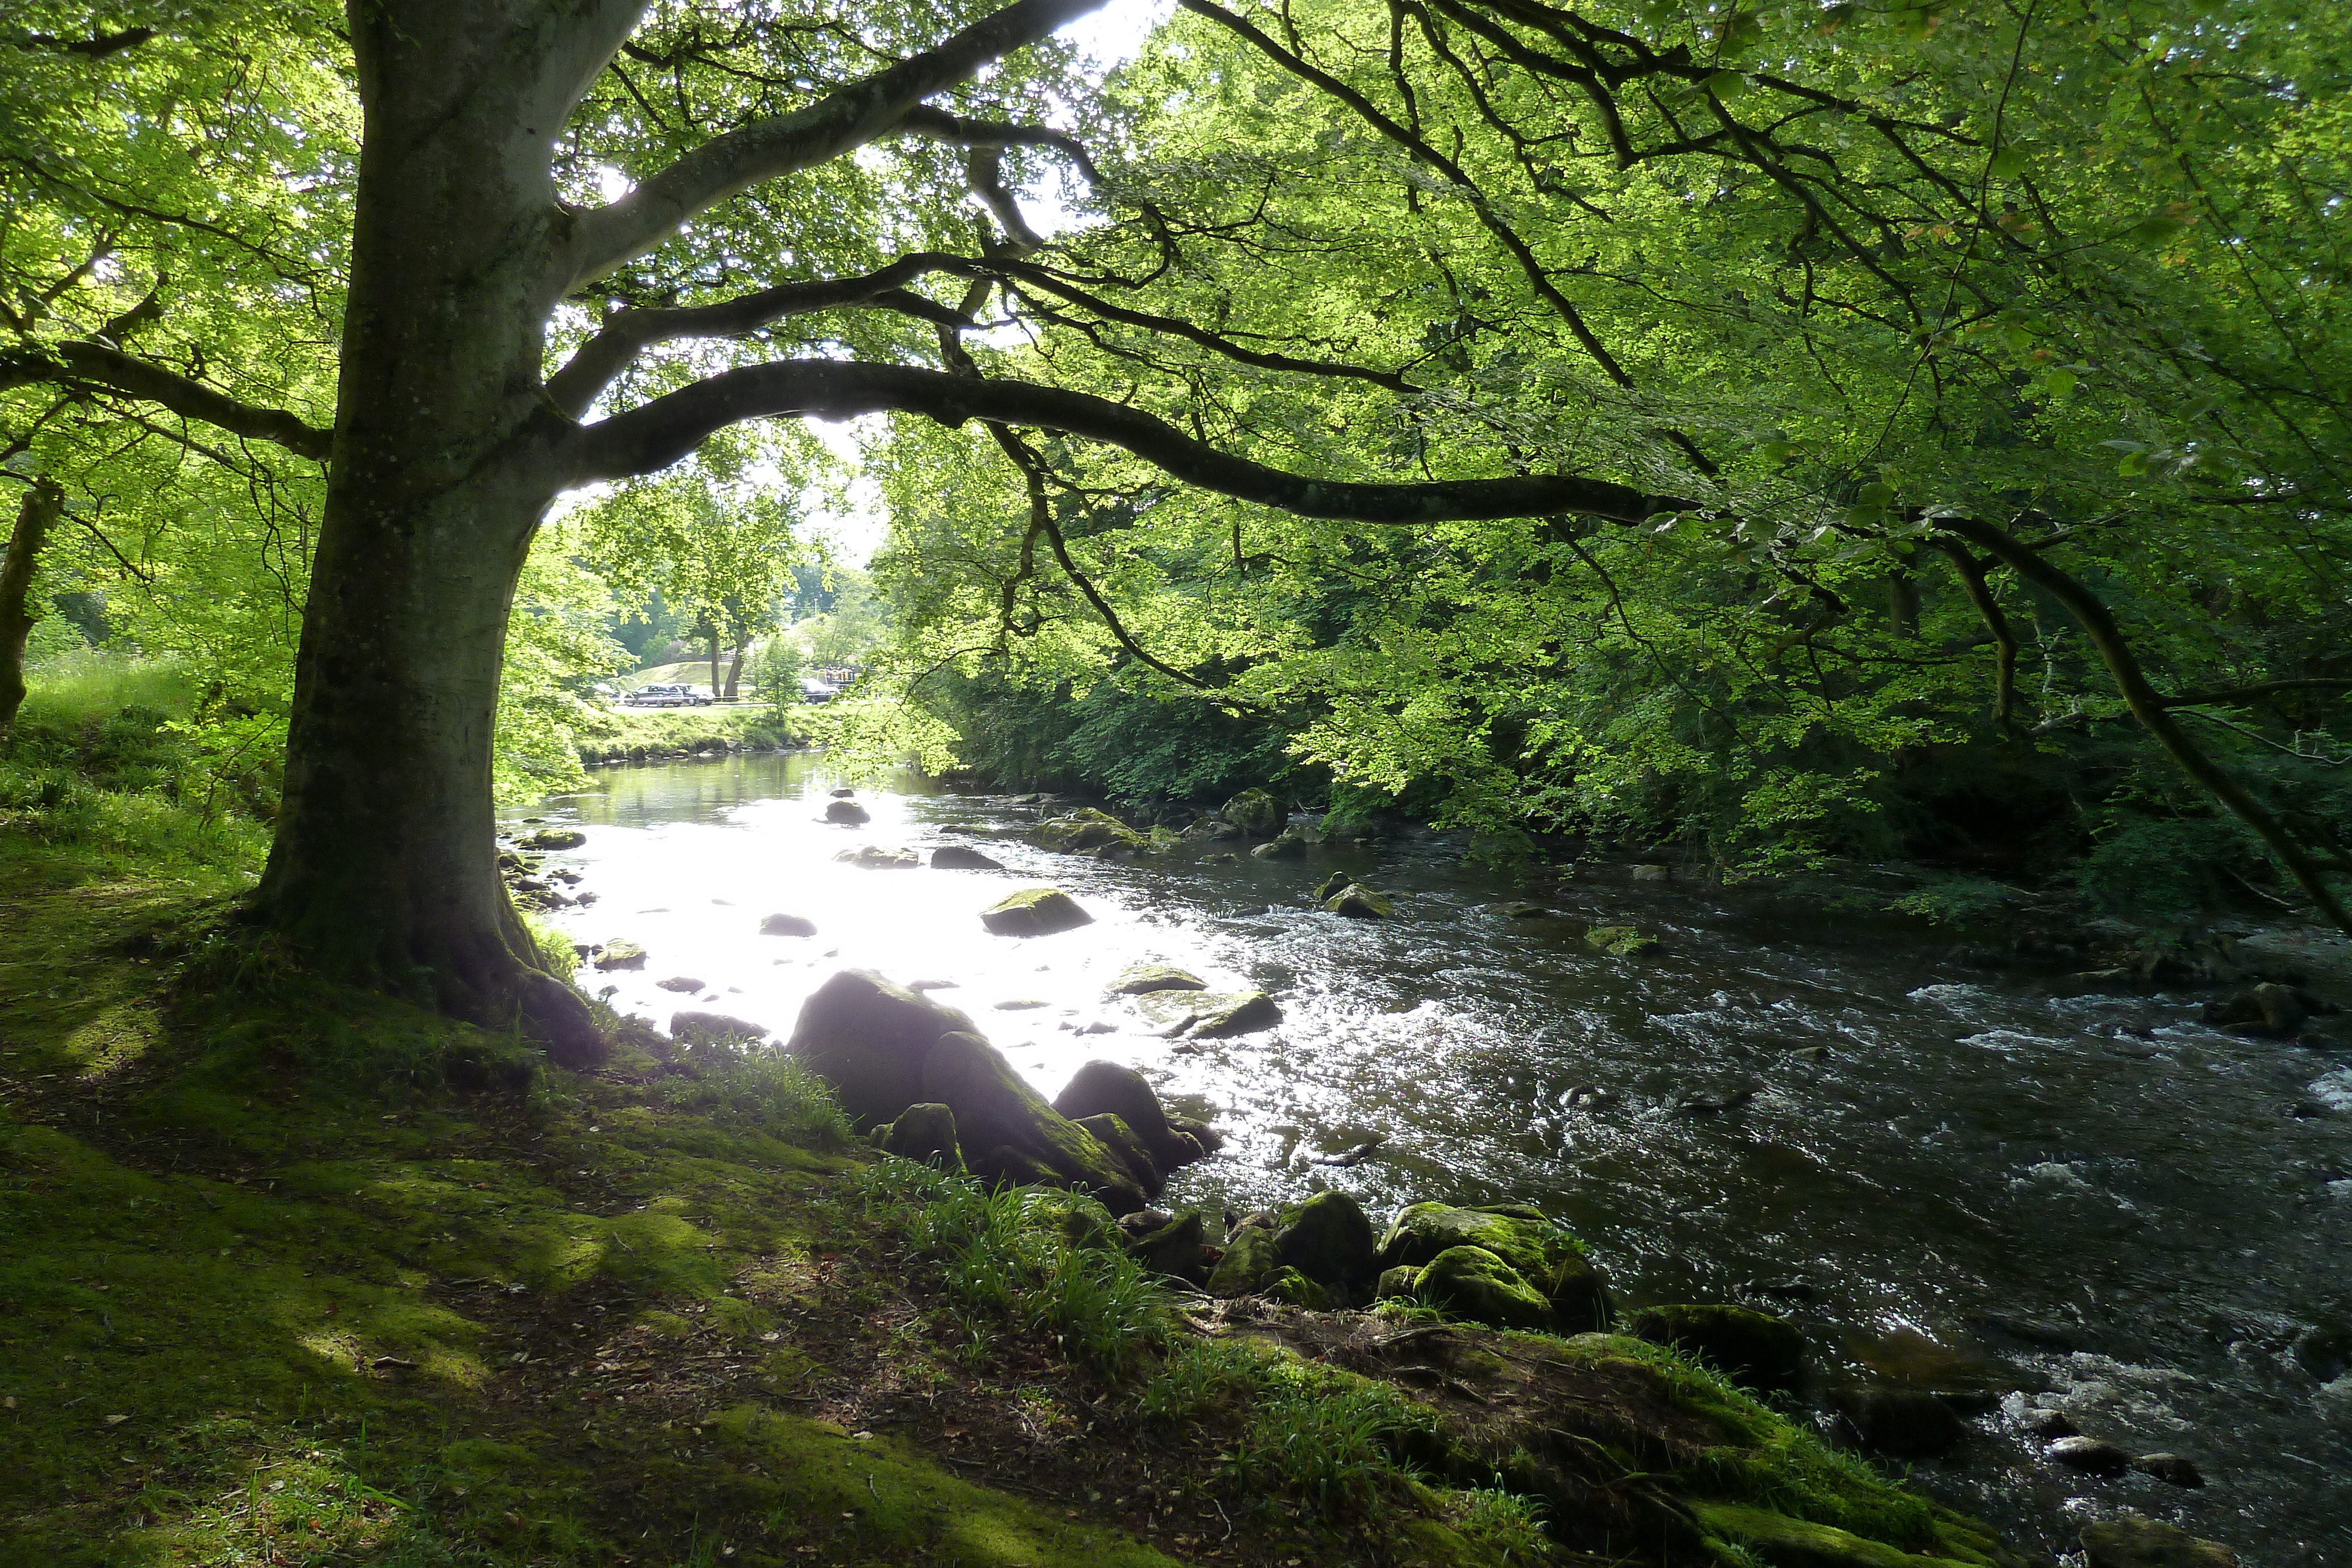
1330	884
869	1039
1105	1087
1396	1284
554	839
1619	941
1358	901
1176	1248
1209	1015
1328	1240
1113	1133
1088	829
1035	912
689	1028
1200	1132
1136	979
848	814
1256	813
620	956
1294	1289
1250	1261
925	1133
2128	1541
993	1106
963	857
1291	845
1543	1253
1753	1349
1472	1283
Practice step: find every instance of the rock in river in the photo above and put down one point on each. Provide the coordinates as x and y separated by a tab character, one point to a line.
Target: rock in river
1359	903
2128	1541
787	926
963	857
1209	1015
875	857
1256	813
847	812
1755	1350
1102	1087
681	983
621	955
2173	1469
1901	1423
1088	829
1035	912
1290	846
2089	1455
555	838
883	1048
1136	978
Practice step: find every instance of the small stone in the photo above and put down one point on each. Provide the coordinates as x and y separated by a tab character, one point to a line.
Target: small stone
787	926
2173	1469
680	983
1651	873
621	955
1290	846
2090	1455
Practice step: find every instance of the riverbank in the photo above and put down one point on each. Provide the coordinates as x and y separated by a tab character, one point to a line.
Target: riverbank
300	1274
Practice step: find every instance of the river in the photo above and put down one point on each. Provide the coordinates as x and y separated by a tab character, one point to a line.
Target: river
1941	1172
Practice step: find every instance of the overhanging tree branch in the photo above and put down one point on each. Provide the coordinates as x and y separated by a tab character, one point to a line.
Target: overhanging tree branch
659	432
95	367
839	123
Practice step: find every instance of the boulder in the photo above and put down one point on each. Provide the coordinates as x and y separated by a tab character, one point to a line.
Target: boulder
2128	1541
1249	1262
1200	1132
554	839
1136	978
1005	1166
875	857
1651	873
1619	941
1358	901
1257	814
870	1040
1544	1254
1105	1087
1209	1015
2089	1455
1396	1284
2275	1010
1294	1289
1755	1350
1035	912
963	857
1472	1283
683	984
1175	1247
621	955
688	1027
1290	846
787	926
994	1106
1209	830
2172	1469
1901	1423
1331	885
1088	829
1130	1151
849	813
1328	1240
925	1133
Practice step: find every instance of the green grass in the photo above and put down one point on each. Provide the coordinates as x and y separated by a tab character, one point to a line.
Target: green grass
618	734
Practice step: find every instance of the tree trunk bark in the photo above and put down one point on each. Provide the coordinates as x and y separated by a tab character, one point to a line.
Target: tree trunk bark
735	671
384	868
43	504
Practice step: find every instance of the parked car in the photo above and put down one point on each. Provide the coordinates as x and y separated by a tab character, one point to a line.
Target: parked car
668	694
817	691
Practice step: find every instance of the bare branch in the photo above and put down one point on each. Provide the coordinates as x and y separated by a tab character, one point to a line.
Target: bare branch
661	432
842	121
95	367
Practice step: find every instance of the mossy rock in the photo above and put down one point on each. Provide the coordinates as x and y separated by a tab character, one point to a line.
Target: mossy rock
1209	1139
1113	1133
621	955
1106	1086
1328	1240
1358	901
1753	1349
1174	1248
1209	1015
995	1106
1619	941
925	1133
1787	1542
869	1039
1086	830
1035	912
2128	1541
1256	813
1290	846
1472	1283
1396	1284
1250	1260
689	1028
1542	1253
1294	1289
1331	885
1136	979
555	838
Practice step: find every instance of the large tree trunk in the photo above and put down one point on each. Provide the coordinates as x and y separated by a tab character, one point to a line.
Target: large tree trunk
43	504
384	866
735	671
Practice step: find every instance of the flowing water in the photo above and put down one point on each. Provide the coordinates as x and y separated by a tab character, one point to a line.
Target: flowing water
2090	1198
